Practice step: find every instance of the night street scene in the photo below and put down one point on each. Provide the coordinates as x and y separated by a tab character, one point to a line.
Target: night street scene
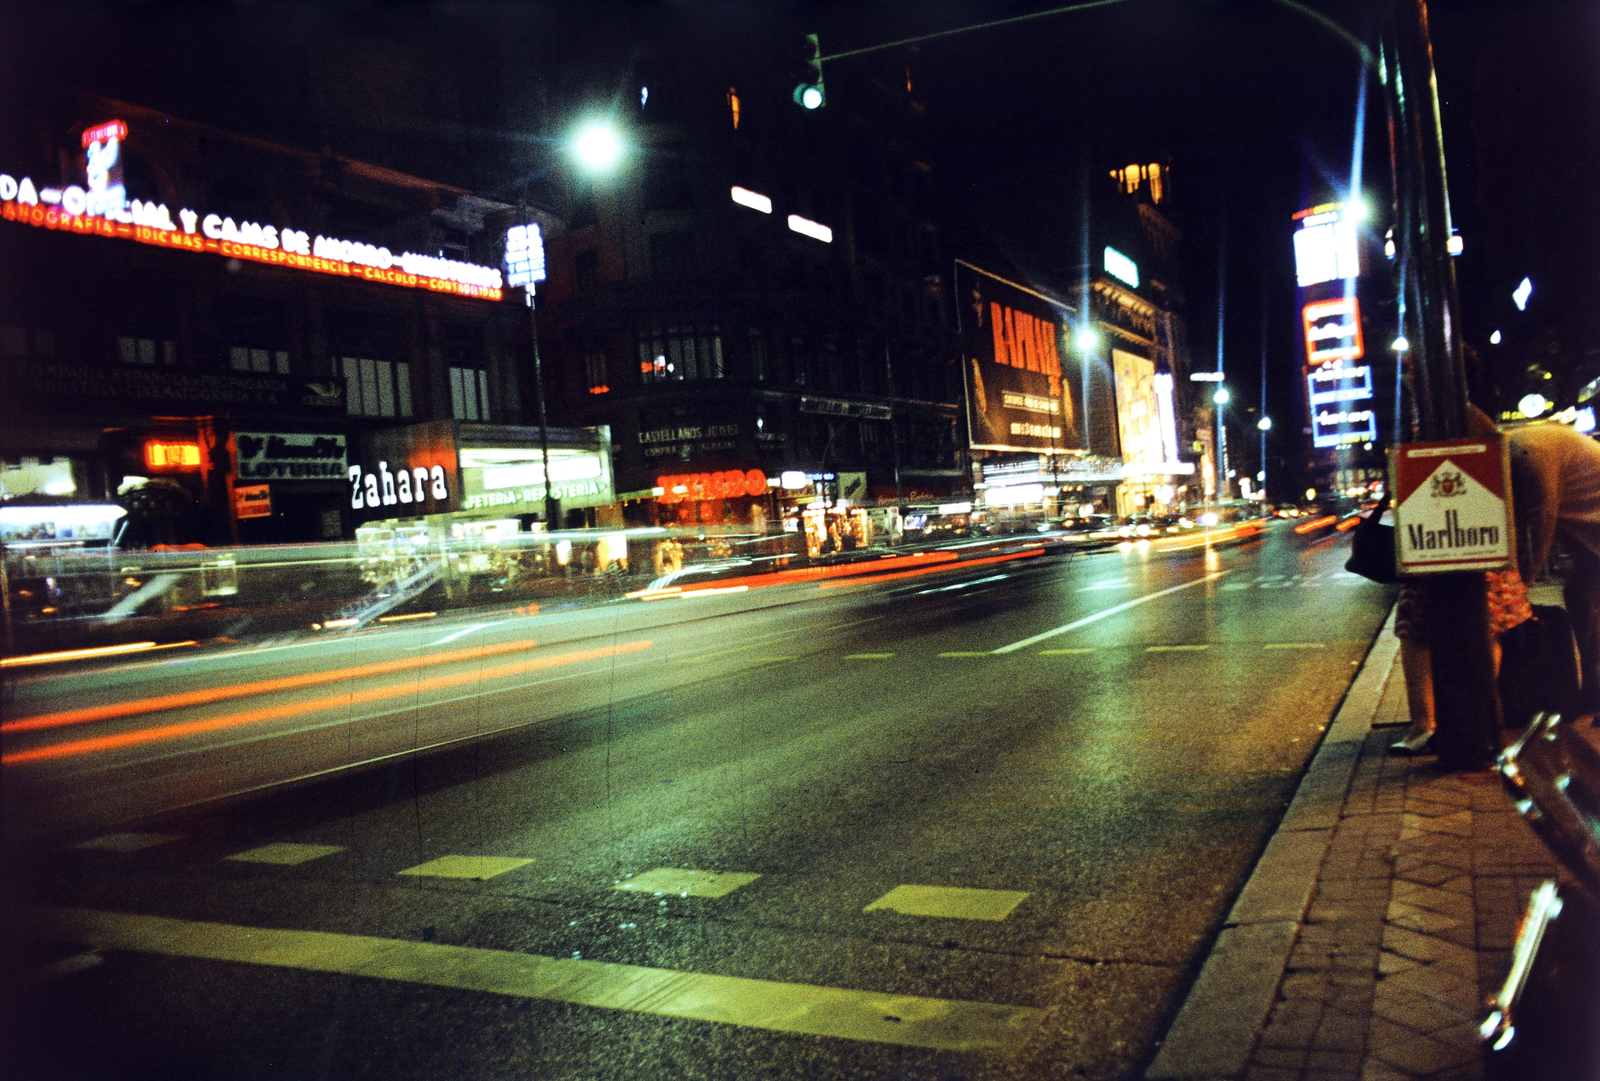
969	540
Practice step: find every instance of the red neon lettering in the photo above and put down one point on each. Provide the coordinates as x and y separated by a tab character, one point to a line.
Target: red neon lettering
755	482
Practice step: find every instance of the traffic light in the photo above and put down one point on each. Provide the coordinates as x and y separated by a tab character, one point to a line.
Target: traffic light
809	93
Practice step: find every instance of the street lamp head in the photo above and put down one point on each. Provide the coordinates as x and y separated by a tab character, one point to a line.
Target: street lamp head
1521	293
1494	339
597	146
1265	424
1400	344
1222	396
1087	339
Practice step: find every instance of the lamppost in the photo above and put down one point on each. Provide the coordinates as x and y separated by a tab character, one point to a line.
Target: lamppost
598	148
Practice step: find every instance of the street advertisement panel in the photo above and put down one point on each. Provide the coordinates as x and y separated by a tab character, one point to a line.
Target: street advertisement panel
1011	363
1452	511
1338	415
1333	330
1138	409
288	457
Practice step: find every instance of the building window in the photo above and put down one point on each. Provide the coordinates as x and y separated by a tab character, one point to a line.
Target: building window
241	359
377	388
676	353
594	361
733	106
586	271
469	394
146	351
672	255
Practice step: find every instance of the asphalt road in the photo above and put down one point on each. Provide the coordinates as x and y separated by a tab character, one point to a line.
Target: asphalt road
966	824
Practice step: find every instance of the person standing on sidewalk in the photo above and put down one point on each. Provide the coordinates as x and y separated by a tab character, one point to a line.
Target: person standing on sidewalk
1555	491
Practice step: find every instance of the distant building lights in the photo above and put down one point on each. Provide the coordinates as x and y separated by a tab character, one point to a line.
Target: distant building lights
1265	424
755	201
807	227
160	455
1121	267
1521	294
1584	421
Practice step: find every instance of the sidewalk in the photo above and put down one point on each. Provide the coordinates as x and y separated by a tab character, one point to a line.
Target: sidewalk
1377	923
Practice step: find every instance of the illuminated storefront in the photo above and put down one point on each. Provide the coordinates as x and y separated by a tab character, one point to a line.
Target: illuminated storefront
207	345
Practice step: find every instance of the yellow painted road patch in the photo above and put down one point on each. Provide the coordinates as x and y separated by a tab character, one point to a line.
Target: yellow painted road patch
1174	649
479	867
285	853
686	882
1065	652
806	1009
867	656
1294	645
953	902
128	842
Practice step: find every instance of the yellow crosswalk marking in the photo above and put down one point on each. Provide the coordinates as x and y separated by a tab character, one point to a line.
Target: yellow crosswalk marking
1065	652
478	867
285	853
969	653
952	902
1175	649
806	1009
867	656
686	882
1294	645
128	842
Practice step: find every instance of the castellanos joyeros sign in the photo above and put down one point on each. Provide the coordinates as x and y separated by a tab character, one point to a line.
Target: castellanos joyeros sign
1452	506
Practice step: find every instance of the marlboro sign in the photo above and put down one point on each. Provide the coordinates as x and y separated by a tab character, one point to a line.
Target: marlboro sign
1452	510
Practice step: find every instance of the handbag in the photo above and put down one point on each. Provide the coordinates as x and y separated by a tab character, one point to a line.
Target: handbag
1372	549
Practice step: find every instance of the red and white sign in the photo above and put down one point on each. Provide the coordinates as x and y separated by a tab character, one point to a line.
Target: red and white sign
1452	510
252	501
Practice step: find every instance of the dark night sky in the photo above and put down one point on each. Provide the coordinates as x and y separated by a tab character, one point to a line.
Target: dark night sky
1252	104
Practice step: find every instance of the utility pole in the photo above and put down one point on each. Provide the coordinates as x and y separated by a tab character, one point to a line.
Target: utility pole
1466	700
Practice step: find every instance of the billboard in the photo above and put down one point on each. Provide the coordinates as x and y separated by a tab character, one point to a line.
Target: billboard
1011	364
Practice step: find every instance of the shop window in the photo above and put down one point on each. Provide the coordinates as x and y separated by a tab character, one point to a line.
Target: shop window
242	359
377	388
677	353
146	351
469	394
594	362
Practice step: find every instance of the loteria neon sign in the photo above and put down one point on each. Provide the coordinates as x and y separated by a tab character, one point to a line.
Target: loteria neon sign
105	210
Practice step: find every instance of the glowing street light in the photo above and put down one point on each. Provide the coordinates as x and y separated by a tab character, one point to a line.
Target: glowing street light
1087	339
1494	339
1221	397
598	146
1264	424
1521	294
1400	344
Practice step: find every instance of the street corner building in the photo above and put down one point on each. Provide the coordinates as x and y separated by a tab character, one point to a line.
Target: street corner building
200	329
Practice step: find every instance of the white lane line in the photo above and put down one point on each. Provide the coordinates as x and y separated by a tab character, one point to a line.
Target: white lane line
453	635
1113	610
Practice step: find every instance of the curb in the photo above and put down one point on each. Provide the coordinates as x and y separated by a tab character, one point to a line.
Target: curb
1216	1029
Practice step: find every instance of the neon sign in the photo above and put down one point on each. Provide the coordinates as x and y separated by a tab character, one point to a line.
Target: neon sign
729	484
1333	330
160	455
524	255
105	210
1334	420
